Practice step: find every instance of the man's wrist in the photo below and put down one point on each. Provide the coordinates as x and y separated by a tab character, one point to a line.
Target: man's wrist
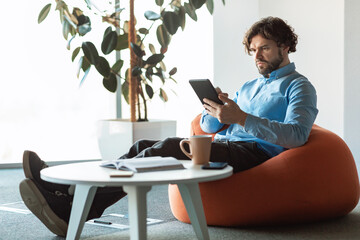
242	119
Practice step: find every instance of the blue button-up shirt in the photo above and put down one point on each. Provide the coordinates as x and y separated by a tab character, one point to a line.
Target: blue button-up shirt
281	111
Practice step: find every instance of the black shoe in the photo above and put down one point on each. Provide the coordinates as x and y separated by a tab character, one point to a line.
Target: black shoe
52	210
32	166
49	192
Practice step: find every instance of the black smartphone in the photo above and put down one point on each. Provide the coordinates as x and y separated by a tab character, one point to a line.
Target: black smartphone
204	89
214	165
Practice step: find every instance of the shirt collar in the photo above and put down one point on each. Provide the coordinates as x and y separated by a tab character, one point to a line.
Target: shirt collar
281	72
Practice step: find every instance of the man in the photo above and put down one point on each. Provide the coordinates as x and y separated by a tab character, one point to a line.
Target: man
267	116
271	113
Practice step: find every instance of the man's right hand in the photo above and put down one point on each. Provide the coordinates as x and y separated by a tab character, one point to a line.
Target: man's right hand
218	91
229	113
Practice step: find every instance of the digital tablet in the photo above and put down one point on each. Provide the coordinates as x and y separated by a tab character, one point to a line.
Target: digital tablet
204	89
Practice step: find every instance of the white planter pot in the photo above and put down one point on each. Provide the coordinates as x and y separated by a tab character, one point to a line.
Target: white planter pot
116	136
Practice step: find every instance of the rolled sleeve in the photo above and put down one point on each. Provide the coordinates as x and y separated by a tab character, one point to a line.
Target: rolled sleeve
300	116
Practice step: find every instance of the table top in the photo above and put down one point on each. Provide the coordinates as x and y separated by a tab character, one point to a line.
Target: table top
90	173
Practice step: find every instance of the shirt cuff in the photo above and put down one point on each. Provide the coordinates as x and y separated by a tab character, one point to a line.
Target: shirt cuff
250	122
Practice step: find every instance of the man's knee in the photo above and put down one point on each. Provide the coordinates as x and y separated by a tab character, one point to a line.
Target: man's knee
166	147
143	144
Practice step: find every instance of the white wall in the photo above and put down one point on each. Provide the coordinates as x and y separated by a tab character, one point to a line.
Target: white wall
351	77
232	67
320	26
327	53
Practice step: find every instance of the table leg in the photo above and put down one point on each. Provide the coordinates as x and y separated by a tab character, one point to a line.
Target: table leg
190	194
83	198
137	210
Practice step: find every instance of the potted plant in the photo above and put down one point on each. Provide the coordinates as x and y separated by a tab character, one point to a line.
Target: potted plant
146	64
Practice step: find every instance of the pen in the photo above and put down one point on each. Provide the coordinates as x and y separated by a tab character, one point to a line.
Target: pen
102	222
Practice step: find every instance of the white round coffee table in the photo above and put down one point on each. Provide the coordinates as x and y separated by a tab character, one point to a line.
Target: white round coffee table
87	176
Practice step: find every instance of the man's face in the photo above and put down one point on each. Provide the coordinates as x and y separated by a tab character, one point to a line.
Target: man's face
268	56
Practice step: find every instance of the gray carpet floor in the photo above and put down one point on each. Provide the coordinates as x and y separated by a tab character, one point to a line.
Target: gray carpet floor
16	222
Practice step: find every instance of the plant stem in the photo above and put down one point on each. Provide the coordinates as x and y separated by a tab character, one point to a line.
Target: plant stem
141	93
142	40
132	80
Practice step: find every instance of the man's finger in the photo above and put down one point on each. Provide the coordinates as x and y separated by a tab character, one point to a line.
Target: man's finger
209	102
218	90
224	98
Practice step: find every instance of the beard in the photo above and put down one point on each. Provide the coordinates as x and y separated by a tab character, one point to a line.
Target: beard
270	66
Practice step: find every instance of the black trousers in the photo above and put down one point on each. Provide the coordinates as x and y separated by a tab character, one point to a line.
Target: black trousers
240	155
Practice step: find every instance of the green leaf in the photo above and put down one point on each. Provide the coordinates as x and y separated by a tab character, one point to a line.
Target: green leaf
65	29
154	59
72	31
150	15
85	64
152	48
75	53
182	17
137	50
149	72
109	42
190	10
163	95
107	31
160	74
197	3
159	2
90	52
66	18
61	15
173	71
103	67
61	5
125	91
44	12
223	2
136	71
84	29
171	21
163	36
210	6
127	77
175	4
143	31
122	42
118	65
110	83
162	66
149	91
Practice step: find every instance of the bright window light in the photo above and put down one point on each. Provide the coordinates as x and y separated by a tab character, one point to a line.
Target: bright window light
42	107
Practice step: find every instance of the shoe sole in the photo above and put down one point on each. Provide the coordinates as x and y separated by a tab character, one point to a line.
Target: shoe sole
37	204
26	165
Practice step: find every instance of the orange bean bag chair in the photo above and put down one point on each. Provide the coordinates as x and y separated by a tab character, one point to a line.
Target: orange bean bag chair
316	181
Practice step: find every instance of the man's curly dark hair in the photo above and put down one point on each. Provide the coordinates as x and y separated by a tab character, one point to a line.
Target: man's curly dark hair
272	28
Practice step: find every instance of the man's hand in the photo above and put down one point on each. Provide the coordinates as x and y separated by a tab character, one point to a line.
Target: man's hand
229	113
